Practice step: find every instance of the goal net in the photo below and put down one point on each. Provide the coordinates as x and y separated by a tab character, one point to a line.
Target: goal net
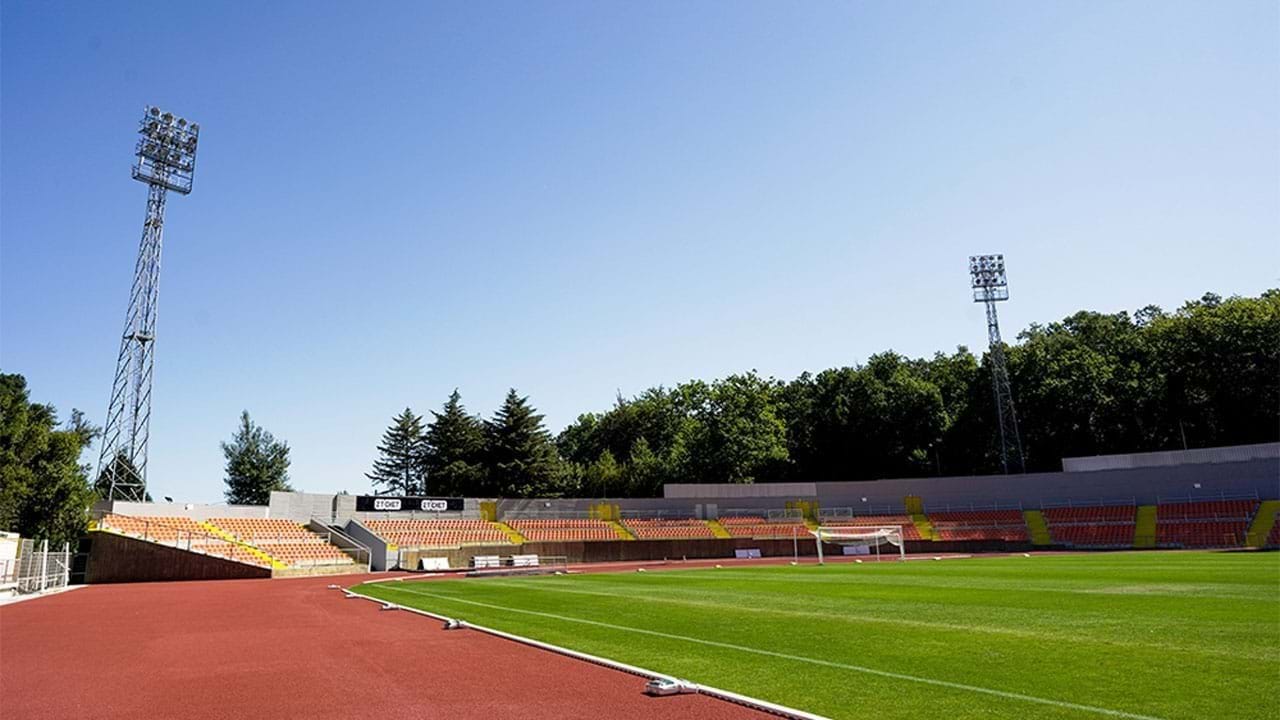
861	540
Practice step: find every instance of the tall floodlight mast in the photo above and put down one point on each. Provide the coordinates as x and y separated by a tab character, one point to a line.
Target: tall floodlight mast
990	285
166	161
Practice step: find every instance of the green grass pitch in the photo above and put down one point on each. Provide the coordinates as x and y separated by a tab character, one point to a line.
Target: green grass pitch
1130	635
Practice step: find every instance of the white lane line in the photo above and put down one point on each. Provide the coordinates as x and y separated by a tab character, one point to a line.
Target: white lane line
797	658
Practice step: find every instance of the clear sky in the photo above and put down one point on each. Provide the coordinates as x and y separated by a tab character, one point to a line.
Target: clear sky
583	198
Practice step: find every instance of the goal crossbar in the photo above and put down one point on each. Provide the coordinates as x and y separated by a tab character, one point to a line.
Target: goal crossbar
866	536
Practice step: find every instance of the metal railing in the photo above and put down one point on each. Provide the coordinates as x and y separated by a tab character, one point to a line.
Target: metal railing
39	570
659	515
203	543
848	513
769	515
351	547
972	507
1088	503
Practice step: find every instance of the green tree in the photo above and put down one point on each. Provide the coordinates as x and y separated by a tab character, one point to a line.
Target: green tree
454	447
522	460
44	489
737	436
603	474
257	464
399	467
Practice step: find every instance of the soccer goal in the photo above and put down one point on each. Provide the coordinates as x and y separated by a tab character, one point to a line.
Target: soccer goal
870	539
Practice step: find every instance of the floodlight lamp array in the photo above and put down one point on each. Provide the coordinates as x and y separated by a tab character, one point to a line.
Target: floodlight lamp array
167	150
988	278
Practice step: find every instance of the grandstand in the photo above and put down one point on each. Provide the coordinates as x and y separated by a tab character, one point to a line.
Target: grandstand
564	529
668	528
1199	523
836	520
962	525
762	527
1233	504
445	532
1098	526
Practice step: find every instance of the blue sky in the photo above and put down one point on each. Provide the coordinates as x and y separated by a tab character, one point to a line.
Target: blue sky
582	198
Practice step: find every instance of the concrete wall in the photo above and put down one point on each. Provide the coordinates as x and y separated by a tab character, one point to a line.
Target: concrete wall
195	511
1234	453
1144	485
115	559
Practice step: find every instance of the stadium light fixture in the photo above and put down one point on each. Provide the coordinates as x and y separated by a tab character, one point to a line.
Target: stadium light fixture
166	151
988	279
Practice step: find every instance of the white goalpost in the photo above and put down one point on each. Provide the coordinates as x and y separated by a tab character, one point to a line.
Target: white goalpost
871	538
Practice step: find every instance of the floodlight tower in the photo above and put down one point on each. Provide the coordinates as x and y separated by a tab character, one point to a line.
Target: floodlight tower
166	161
990	285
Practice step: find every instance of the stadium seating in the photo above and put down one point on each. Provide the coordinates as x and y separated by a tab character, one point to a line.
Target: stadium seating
572	530
1273	539
265	530
1007	525
909	529
437	533
1208	510
756	526
1204	523
1097	526
287	541
180	532
667	528
1095	514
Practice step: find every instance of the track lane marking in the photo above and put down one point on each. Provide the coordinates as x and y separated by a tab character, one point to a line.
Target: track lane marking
787	656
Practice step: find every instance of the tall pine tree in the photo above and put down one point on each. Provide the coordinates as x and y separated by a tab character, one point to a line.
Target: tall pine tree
521	457
257	463
398	469
452	462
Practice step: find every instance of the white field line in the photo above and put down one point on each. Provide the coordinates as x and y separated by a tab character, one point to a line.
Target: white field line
800	658
900	622
756	703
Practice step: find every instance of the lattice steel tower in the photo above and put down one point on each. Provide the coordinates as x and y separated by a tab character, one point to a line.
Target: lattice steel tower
166	161
990	285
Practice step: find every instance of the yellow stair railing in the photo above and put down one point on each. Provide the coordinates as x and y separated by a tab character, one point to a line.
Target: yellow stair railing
1144	534
1262	523
511	532
923	525
717	529
254	550
621	530
1037	527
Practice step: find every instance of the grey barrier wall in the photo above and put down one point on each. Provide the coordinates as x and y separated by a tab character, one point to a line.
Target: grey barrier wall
195	511
1144	485
378	558
1233	453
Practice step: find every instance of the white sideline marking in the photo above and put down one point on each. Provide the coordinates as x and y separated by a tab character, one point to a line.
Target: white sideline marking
797	658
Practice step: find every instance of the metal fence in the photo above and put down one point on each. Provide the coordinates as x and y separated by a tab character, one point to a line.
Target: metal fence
38	569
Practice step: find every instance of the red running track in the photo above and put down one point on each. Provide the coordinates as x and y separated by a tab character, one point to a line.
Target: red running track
277	649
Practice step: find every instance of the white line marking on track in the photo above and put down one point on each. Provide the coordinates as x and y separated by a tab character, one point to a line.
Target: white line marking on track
798	658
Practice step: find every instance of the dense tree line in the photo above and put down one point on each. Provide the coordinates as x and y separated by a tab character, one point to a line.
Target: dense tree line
1093	383
44	489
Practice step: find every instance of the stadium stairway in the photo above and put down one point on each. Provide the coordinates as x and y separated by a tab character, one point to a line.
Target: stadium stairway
511	532
717	529
218	532
1144	534
621	530
924	526
1037	527
1262	523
